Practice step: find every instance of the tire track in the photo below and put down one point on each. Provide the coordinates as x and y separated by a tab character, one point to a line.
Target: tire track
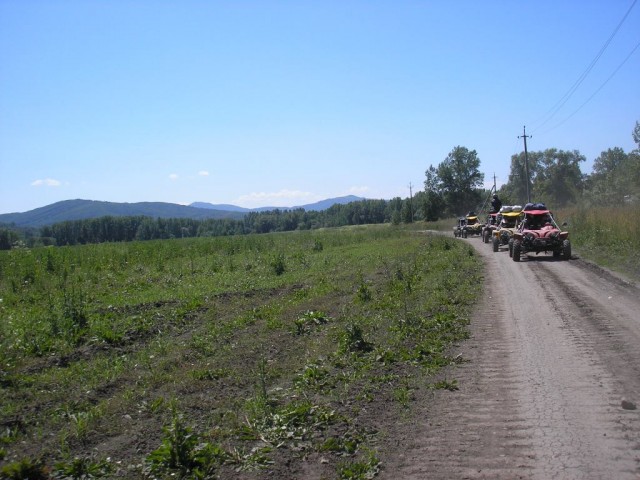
478	431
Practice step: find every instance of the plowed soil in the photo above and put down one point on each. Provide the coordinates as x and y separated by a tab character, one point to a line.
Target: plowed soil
552	386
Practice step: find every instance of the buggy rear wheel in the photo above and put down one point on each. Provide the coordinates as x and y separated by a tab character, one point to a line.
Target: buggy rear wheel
511	247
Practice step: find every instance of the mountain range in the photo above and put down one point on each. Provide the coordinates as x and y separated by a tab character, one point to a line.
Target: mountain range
317	206
84	209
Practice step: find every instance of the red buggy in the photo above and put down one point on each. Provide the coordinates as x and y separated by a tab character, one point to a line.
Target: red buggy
538	233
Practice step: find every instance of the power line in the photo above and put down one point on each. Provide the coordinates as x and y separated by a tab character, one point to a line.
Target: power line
599	88
563	100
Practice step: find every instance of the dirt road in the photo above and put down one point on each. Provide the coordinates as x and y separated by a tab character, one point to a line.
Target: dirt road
549	391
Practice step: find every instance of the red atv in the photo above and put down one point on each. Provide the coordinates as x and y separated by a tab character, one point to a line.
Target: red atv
539	232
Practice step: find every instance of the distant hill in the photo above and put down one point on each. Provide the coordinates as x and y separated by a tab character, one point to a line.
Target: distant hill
82	209
317	206
220	206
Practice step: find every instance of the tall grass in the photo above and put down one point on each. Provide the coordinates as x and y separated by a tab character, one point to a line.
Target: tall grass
609	236
443	225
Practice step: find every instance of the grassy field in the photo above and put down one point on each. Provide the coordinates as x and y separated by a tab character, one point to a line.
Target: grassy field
607	236
280	355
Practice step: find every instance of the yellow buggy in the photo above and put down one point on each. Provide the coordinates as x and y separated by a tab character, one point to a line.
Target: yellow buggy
507	226
474	227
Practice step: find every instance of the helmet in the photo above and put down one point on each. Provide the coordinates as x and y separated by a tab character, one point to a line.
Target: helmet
495	196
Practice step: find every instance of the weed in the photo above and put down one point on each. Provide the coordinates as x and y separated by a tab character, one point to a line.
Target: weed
155	406
83	468
385	356
204	344
106	332
262	379
363	292
278	264
81	418
10	433
359	469
317	245
352	340
208	374
51	264
293	422
402	394
308	319
74	319
445	384
344	445
314	376
255	459
183	452
267	313
25	469
188	308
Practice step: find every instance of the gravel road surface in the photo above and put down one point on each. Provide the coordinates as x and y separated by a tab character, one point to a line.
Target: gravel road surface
552	388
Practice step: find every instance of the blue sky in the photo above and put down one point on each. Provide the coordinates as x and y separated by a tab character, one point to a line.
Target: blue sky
283	103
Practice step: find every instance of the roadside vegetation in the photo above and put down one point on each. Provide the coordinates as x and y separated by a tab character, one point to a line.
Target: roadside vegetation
283	354
608	236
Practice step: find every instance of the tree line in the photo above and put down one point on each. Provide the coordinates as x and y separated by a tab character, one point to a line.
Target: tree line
454	186
132	228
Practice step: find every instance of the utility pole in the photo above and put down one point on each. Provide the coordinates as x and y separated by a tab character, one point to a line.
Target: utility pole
410	203
526	160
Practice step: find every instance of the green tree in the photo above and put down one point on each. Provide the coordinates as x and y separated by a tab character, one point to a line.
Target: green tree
432	203
407	211
559	180
604	184
515	190
609	161
7	238
615	178
555	178
460	180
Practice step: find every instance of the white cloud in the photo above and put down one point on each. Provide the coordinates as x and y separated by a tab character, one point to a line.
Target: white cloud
173	176
47	182
203	173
